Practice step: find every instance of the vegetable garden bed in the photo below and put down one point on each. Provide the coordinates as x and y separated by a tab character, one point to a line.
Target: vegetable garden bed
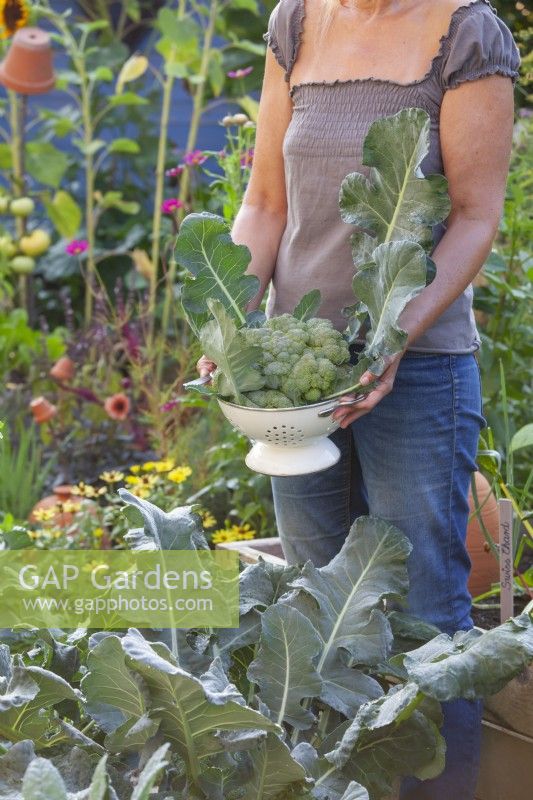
508	718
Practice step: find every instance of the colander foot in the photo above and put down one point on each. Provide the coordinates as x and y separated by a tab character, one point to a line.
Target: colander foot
270	459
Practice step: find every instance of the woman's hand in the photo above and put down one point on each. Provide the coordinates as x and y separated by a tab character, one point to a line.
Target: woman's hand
383	385
205	366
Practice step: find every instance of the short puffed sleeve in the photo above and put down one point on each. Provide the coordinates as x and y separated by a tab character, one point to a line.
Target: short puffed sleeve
284	32
480	44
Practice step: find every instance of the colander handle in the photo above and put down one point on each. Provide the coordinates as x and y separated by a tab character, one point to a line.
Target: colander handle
326	412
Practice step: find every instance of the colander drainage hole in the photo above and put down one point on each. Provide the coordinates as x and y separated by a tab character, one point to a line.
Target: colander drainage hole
284	434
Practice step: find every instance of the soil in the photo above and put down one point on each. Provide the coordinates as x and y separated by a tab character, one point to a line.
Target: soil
490	617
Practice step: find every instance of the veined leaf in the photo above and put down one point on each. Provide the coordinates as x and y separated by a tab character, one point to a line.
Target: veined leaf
179	529
476	665
204	247
396	275
341	600
150	774
308	305
225	345
274	770
192	712
284	666
396	201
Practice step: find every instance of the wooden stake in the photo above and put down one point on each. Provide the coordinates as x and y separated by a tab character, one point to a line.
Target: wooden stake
506	559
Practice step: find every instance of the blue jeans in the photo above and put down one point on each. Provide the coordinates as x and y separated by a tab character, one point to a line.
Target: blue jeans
408	461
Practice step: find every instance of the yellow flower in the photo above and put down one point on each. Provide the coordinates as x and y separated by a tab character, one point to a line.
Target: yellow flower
13	15
208	519
164	466
243	532
179	474
84	490
222	535
135	468
45	514
148	481
35	534
140	491
98	533
56	534
112	476
70	507
148	466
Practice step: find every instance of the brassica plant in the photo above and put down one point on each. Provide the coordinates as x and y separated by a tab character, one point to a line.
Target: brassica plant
302	359
323	691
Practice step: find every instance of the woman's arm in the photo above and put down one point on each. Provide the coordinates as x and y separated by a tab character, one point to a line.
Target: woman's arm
262	217
476	125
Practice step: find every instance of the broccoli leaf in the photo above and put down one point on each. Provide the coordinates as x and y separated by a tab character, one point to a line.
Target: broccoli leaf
396	201
217	265
308	305
225	345
385	285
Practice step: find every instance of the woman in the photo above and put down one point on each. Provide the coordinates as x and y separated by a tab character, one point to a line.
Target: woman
408	450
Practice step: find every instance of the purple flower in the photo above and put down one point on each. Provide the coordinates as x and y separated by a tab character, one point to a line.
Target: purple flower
247	158
170	405
171	205
242	72
195	158
175	172
77	247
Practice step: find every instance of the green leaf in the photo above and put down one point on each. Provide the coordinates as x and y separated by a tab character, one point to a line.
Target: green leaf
216	74
284	666
205	248
124	146
227	348
110	686
522	438
65	214
396	201
274	770
46	163
42	781
308	305
472	666
99	788
115	200
391	738
354	791
102	74
180	31
396	275
179	529
91	27
89	149
192	712
149	775
128	99
342	601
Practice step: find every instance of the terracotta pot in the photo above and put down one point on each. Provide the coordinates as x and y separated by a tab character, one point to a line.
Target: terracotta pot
42	409
485	568
63	369
28	66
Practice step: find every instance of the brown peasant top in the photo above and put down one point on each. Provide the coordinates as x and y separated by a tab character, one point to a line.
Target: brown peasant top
323	143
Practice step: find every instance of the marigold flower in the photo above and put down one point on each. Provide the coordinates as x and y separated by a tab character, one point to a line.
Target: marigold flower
44	514
77	247
112	476
179	474
42	409
242	72
171	205
148	481
69	507
13	15
195	158
117	406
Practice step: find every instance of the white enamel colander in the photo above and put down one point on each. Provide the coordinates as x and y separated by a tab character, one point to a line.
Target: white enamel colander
287	441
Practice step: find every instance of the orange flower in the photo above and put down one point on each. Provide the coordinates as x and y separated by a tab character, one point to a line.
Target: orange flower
117	406
63	369
42	409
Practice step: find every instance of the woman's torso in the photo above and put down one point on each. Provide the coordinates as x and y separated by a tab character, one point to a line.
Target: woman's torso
323	143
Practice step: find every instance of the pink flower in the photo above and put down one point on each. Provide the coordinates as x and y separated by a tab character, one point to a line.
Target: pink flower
117	406
171	205
170	405
175	172
77	247
195	158
239	73
247	158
